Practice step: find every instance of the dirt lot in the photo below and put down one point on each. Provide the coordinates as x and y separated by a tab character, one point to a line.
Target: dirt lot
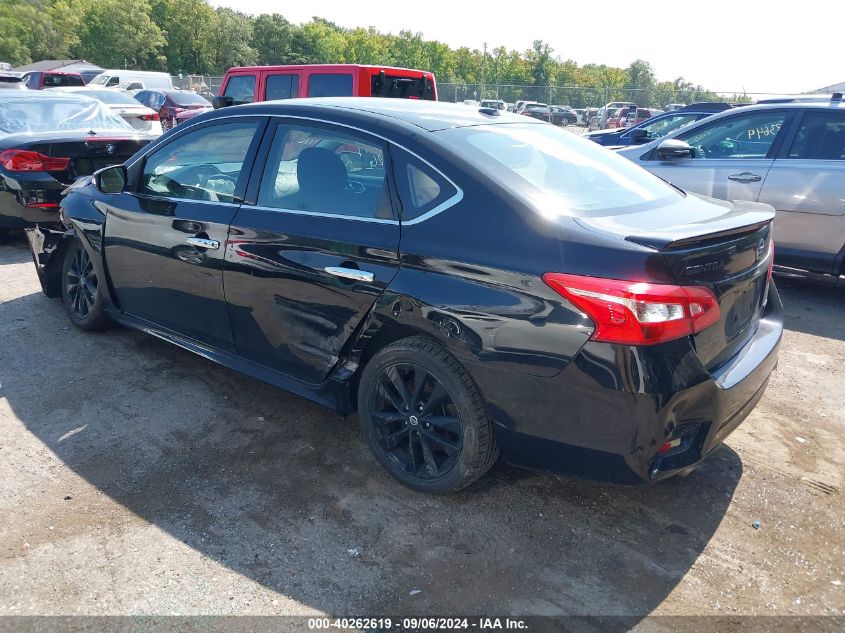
138	478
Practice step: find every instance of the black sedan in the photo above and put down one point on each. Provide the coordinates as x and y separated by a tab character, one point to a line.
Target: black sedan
47	141
472	283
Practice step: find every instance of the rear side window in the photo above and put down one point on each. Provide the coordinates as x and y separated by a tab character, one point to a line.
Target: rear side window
741	136
330	85
820	137
201	165
241	88
421	188
281	87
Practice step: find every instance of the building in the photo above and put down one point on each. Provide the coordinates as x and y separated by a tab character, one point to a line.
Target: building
81	66
840	87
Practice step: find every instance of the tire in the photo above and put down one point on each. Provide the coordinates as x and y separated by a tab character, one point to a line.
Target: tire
440	446
81	296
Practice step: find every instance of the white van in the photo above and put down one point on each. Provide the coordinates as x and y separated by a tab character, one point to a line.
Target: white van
133	80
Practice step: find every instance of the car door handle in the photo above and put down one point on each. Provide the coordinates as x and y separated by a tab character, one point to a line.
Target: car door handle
745	176
203	242
349	273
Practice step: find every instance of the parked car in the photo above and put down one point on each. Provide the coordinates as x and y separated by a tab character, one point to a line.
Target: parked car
589	115
38	80
266	83
675	106
11	81
656	126
133	80
563	115
790	155
496	104
607	111
595	320
137	115
580	116
173	106
535	110
6	67
626	117
48	139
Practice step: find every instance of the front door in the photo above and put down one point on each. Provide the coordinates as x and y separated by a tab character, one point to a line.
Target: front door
165	241
309	260
731	158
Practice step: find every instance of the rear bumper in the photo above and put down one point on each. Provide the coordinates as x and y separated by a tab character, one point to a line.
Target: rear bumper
28	199
607	415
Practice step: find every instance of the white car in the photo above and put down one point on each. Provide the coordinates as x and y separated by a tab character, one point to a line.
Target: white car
136	114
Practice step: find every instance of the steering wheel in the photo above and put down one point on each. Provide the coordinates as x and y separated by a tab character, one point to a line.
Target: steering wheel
353	186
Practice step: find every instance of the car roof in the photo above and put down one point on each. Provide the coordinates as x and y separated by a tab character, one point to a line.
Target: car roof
420	114
46	95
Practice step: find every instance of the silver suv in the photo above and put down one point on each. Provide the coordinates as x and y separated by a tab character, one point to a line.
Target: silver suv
790	155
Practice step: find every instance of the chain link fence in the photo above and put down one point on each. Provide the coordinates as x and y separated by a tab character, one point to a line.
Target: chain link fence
206	85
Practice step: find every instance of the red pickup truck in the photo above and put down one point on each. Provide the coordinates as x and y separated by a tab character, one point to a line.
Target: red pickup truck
246	84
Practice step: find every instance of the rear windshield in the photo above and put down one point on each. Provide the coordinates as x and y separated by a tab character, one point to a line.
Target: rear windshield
24	114
404	88
62	80
560	172
187	98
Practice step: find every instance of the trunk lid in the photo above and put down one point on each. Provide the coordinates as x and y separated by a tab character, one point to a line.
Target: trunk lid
724	246
88	154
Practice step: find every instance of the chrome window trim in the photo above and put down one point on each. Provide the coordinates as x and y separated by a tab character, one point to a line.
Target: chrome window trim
443	206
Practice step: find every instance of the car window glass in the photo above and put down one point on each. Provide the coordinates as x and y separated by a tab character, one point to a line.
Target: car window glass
202	165
662	127
820	137
421	188
281	87
320	170
741	136
142	97
330	85
241	88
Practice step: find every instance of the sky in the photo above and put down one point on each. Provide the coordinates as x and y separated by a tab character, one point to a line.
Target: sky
724	45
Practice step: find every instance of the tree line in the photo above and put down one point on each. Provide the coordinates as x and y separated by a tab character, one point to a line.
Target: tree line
191	37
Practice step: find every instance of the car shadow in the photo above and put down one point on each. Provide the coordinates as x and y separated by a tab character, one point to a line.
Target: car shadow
286	493
813	305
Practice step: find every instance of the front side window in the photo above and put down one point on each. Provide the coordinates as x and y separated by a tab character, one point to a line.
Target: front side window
321	170
241	88
741	136
330	85
662	127
205	164
281	87
820	137
558	171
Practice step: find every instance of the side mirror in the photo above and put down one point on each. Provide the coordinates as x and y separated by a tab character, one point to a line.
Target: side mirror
639	134
110	179
223	101
673	149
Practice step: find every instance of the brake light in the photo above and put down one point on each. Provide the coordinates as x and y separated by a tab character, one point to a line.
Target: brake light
636	312
26	160
150	117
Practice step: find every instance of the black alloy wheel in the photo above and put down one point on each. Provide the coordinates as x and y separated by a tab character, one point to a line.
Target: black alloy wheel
416	421
81	289
424	418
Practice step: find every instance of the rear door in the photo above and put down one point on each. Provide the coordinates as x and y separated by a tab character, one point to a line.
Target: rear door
732	155
806	185
308	261
165	240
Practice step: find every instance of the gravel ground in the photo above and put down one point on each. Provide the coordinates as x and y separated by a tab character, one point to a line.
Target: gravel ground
138	478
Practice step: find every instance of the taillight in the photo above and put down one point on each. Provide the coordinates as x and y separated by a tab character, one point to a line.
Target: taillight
25	160
150	117
636	312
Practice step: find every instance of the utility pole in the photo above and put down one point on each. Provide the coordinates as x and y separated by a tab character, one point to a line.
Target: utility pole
483	63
